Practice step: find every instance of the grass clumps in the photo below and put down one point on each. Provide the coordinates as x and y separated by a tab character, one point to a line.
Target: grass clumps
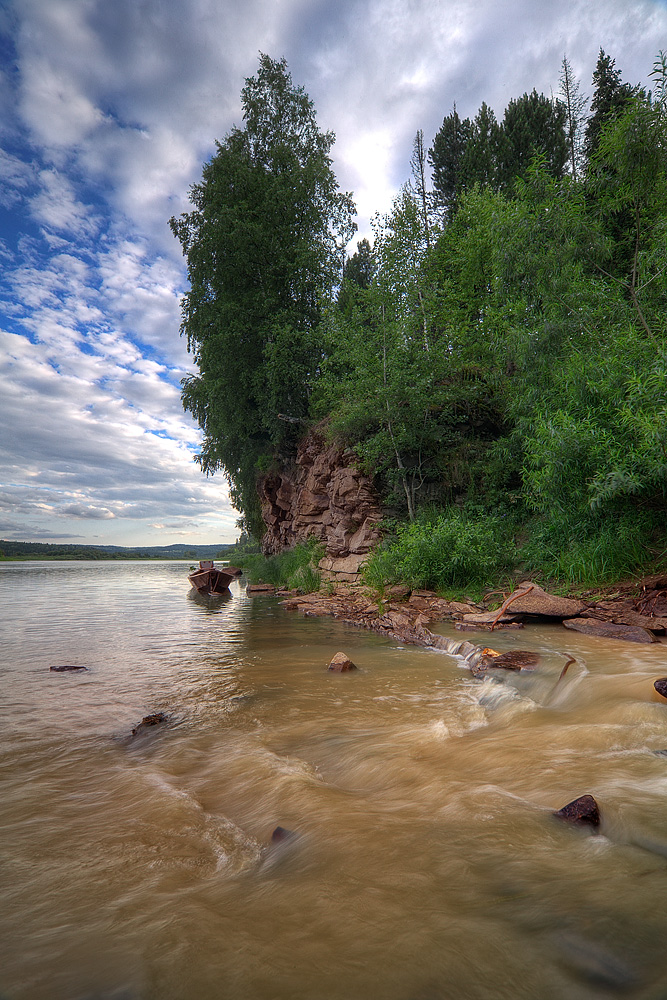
444	551
295	569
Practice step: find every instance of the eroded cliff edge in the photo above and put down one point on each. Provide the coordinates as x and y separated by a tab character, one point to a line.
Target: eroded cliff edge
323	495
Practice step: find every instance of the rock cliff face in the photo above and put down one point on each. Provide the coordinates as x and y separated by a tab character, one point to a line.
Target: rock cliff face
324	496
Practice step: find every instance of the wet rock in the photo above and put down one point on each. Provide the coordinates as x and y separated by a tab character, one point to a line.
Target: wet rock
513	659
660	688
149	720
260	588
341	663
582	812
516	659
280	835
609	630
234	570
66	668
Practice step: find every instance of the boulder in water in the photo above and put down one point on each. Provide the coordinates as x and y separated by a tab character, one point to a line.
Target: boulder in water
148	721
66	668
660	688
582	812
341	663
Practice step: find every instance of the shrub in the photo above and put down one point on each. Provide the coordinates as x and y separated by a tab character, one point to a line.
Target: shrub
453	549
295	569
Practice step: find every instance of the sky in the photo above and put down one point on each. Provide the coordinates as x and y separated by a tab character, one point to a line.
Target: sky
108	109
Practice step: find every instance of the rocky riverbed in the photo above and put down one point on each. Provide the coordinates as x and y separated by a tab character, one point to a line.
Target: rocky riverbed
635	613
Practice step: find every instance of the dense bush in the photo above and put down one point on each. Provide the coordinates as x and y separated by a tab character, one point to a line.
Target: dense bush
443	551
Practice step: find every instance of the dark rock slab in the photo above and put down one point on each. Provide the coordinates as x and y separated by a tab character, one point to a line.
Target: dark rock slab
609	630
341	663
582	812
260	588
660	687
66	668
149	720
623	613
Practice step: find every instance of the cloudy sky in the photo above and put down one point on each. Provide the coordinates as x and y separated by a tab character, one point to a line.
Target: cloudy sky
108	108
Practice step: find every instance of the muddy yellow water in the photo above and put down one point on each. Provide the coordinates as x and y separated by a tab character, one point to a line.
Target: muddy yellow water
425	861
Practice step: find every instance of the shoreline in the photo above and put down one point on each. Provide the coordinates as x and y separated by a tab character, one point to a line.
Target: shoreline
633	613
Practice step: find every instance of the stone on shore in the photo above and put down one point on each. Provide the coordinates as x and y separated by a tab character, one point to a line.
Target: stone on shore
539	602
341	663
609	630
582	812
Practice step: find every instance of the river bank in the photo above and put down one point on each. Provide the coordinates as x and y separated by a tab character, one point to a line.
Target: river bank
634	612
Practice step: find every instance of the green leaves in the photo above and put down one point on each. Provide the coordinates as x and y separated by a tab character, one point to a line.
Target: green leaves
263	246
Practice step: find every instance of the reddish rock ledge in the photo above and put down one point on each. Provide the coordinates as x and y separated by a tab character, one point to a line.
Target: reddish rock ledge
324	495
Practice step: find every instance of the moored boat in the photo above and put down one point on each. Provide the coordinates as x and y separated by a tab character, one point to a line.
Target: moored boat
208	579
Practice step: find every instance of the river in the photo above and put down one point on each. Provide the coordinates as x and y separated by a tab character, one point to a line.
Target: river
426	863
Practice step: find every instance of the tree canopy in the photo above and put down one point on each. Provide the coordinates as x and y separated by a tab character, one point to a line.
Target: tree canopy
495	355
264	244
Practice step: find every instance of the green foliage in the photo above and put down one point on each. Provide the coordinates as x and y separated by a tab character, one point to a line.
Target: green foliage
511	357
610	96
441	551
295	569
263	246
590	550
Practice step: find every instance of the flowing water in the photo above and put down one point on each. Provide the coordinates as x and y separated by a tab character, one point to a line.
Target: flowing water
426	862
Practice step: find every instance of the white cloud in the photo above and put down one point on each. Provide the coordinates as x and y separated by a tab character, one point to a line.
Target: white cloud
112	110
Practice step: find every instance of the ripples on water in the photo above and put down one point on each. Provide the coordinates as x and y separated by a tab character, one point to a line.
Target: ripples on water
427	864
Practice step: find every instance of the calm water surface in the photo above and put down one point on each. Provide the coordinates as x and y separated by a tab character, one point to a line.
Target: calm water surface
427	864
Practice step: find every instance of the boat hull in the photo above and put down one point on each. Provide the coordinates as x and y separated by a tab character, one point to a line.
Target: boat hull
211	581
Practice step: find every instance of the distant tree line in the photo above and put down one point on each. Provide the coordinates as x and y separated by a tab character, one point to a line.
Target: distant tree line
49	550
496	355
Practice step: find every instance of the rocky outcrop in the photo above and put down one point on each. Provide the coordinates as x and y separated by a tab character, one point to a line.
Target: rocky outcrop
324	495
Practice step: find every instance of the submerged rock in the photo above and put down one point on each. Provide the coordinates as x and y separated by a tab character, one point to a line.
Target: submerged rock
148	721
582	812
341	663
280	835
594	626
66	668
594	963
